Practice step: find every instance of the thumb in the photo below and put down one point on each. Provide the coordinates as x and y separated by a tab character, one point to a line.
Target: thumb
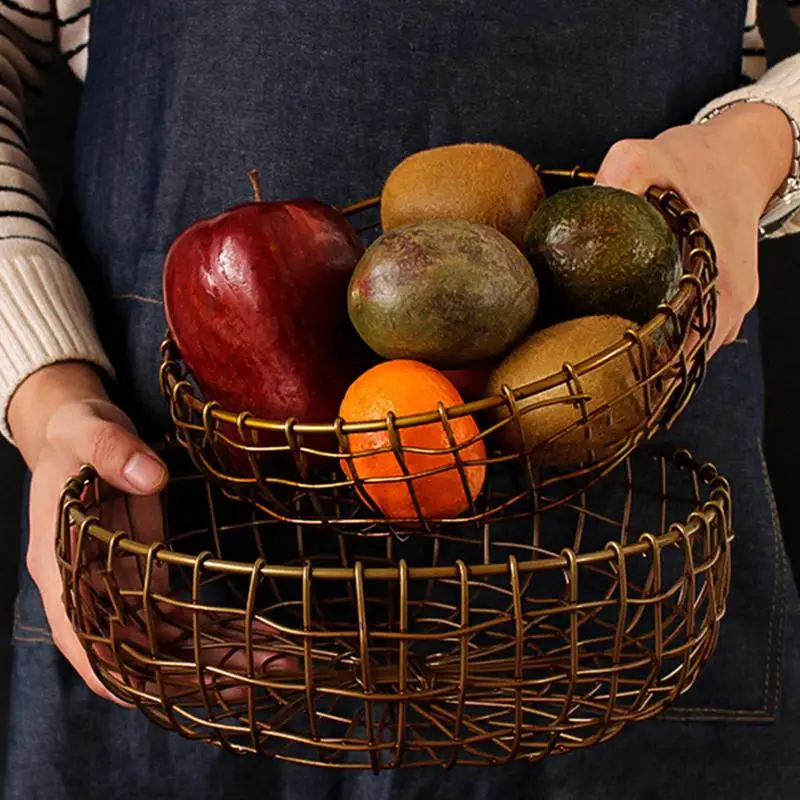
634	165
101	435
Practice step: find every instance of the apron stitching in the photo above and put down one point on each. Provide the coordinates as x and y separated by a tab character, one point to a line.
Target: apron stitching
701	713
777	577
32	639
18	624
778	686
754	717
30	628
139	298
777	611
779	572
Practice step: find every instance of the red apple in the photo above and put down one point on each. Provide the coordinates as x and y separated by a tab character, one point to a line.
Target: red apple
256	299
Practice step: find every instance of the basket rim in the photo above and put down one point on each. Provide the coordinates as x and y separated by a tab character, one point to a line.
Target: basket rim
716	507
666	200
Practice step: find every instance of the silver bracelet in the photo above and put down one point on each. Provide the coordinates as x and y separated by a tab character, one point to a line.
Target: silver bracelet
786	201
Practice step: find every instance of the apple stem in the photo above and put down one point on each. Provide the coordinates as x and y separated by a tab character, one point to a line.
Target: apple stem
252	175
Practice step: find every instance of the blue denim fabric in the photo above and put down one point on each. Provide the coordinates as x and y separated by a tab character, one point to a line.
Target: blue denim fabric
324	98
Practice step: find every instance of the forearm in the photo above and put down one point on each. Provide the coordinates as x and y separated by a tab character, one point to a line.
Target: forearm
779	88
758	140
44	317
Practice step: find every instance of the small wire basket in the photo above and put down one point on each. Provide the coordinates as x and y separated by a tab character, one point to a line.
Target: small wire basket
308	474
537	635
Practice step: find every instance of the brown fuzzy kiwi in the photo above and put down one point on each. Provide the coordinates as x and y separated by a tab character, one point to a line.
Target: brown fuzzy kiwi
544	354
485	183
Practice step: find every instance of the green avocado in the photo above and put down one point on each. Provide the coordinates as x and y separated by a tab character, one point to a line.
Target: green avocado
599	250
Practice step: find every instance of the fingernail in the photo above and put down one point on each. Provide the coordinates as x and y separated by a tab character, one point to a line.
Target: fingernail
144	473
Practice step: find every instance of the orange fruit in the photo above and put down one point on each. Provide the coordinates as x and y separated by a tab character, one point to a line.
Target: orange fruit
406	388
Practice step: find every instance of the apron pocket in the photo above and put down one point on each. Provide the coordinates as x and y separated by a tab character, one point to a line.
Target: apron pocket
742	680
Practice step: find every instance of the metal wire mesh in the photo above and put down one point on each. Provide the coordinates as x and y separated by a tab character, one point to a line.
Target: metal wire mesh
309	474
523	636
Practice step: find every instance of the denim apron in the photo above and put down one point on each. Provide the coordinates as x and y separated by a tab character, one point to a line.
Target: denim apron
324	98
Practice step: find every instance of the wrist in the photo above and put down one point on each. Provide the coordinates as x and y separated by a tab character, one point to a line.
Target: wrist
759	140
41	394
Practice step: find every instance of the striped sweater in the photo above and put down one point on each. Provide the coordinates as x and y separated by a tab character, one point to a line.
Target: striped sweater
44	315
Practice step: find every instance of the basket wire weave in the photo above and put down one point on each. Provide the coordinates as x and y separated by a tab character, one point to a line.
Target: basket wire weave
560	606
377	653
293	470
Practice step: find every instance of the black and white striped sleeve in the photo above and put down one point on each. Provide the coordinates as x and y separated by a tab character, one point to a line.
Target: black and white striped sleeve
44	314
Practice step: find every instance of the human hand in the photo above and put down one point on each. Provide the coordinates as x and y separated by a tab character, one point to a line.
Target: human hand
727	170
61	419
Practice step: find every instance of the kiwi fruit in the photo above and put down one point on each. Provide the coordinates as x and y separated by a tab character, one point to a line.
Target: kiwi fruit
484	183
546	414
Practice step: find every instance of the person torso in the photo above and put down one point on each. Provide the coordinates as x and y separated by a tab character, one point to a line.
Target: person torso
324	98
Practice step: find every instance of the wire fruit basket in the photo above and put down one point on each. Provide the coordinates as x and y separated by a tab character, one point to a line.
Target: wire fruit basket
560	605
539	636
308	474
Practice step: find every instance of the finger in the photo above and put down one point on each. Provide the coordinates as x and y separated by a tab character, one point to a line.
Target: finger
634	165
733	336
147	526
80	435
142	519
112	449
737	292
223	644
726	332
220	647
66	640
43	567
